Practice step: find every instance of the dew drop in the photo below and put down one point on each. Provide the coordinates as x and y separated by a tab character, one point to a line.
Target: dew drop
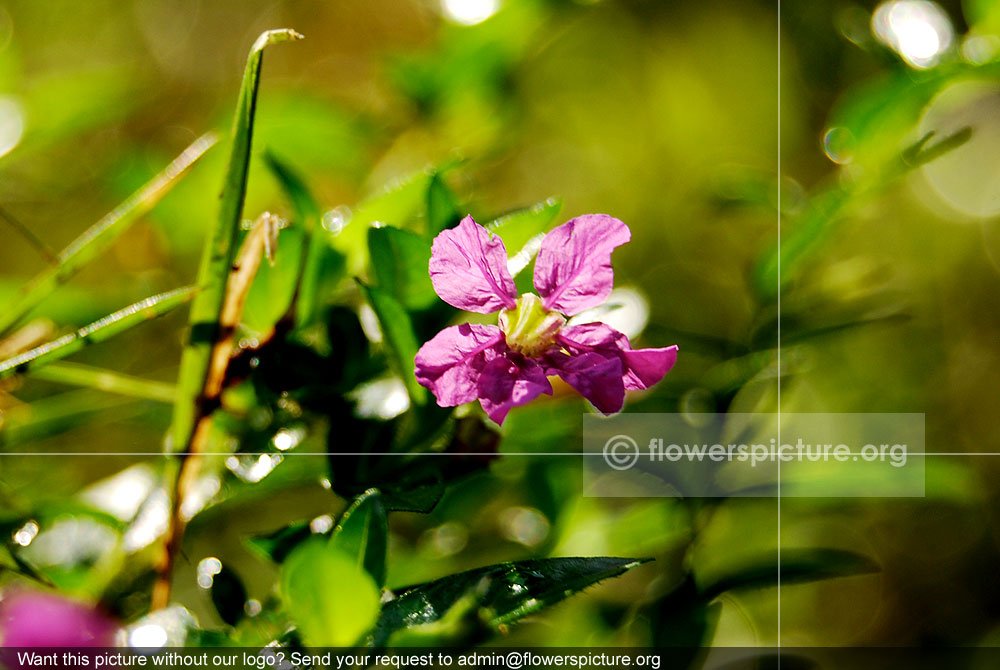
838	144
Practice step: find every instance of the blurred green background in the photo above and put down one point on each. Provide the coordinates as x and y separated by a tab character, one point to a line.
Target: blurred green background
663	114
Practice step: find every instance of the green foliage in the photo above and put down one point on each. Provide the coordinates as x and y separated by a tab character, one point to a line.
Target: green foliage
502	593
99	237
400	259
328	595
277	545
645	126
363	531
793	566
274	288
322	266
100	379
443	207
399	338
220	249
99	331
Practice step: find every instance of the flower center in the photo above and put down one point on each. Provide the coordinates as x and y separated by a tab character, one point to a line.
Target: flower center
529	327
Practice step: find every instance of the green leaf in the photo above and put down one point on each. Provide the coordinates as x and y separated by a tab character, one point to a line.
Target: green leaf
10	561
400	260
400	341
419	494
99	237
797	566
363	532
86	376
228	595
323	266
220	249
273	288
683	621
779	264
397	204
98	331
331	598
277	545
443	210
507	591
61	412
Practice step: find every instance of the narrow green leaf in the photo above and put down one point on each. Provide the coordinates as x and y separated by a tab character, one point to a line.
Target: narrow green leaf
99	237
797	566
508	591
400	260
29	236
363	532
923	152
98	331
329	597
219	250
323	266
86	376
304	204
683	621
399	340
443	210
826	209
55	414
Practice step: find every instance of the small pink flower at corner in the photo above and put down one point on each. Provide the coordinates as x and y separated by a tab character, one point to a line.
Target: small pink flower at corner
39	619
508	365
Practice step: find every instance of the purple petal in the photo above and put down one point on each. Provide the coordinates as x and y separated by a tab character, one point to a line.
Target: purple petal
509	381
641	368
469	269
646	367
450	363
573	269
36	619
595	376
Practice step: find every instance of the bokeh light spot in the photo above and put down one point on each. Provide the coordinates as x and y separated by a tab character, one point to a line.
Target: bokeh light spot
524	525
11	124
918	30
149	636
208	568
469	12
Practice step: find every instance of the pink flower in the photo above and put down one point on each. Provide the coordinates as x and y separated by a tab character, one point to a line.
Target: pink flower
36	619
508	365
